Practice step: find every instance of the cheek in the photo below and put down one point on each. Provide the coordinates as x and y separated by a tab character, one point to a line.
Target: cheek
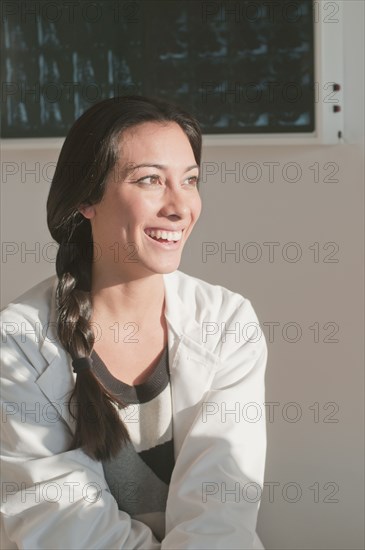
138	209
197	207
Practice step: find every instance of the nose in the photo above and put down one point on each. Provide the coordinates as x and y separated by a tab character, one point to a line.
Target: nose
175	201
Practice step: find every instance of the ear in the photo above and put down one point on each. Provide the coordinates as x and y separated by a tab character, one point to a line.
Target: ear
87	210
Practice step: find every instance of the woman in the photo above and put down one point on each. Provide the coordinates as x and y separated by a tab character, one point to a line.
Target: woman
126	381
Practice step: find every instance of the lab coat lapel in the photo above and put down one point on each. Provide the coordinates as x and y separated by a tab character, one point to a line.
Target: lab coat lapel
191	364
56	381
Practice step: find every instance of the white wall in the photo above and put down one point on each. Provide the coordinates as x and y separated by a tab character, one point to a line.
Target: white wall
306	452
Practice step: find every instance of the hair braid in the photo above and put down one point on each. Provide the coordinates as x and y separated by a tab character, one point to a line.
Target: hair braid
99	429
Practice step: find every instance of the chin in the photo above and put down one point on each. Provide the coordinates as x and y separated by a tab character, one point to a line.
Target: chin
164	268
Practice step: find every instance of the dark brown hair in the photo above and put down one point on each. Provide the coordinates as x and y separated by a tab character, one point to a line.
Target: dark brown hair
89	153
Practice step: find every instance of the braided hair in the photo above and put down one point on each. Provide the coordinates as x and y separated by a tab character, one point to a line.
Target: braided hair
89	153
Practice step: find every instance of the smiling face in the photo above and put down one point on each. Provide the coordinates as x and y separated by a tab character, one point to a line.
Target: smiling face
152	187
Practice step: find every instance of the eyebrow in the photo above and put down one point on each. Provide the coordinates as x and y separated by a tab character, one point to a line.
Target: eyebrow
159	166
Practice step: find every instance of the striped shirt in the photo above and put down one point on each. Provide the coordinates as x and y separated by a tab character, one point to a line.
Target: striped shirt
139	476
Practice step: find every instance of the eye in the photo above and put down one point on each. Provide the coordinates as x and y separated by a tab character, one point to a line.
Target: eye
154	179
193	180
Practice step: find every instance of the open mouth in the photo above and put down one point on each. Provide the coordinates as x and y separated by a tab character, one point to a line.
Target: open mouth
160	240
167	237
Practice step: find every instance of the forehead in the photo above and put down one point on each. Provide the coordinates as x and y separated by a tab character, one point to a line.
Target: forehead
155	142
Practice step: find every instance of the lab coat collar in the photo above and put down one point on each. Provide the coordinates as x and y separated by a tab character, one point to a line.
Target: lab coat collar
191	364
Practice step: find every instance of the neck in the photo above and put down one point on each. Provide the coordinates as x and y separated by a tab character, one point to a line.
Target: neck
128	300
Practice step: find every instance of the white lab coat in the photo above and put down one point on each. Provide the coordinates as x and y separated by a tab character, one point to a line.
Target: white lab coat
56	498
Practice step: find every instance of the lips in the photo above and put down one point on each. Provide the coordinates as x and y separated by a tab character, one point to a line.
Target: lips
167	244
162	235
169	230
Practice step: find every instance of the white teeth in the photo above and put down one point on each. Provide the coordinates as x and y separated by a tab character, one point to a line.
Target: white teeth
168	235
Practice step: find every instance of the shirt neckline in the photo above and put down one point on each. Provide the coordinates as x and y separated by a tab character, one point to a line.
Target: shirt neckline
156	381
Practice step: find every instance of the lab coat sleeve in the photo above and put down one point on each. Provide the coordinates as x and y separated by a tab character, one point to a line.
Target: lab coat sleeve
52	498
215	494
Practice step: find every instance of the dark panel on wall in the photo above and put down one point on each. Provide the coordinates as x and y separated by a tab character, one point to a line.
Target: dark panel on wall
239	66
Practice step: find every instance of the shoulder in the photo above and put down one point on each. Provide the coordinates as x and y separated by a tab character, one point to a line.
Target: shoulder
24	324
228	325
32	306
197	292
